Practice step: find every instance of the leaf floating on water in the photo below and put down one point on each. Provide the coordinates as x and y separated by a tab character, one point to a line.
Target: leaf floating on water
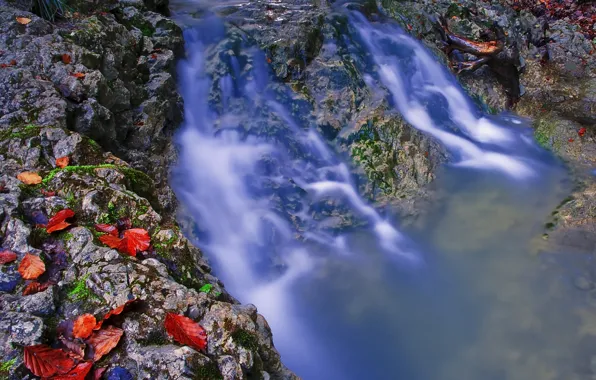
134	240
102	342
79	372
45	361
186	331
31	267
58	221
107	228
29	178
62	162
83	326
23	20
7	257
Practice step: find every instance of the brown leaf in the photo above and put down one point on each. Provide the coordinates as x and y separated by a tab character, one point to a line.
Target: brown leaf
35	287
29	178
66	59
79	372
62	162
46	193
45	361
107	228
23	20
31	267
57	222
103	341
83	326
76	348
186	331
7	257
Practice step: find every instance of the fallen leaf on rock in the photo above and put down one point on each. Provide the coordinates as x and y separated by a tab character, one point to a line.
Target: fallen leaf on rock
107	228
186	331
23	20
35	287
66	59
45	361
571	140
134	240
79	372
111	241
7	257
13	62
46	193
76	348
124	224
103	341
581	132
116	311
98	373
62	162
29	178
31	267
58	221
83	326
78	75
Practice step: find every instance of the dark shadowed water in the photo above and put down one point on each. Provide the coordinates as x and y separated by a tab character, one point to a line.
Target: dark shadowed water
460	294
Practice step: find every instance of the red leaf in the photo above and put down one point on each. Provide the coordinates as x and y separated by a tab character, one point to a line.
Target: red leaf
83	326
571	140
77	373
46	193
581	132
57	222
116	311
102	342
110	240
13	62
7	257
107	228
186	331
66	59
78	75
45	361
31	267
35	287
98	373
134	240
62	162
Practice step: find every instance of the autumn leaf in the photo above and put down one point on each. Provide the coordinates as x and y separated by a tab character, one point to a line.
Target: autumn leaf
103	341
45	361
58	221
62	162
23	20
124	224
83	326
107	228
66	59
111	241
186	331
29	178
7	257
46	193
78	75
35	287
77	373
582	131
98	373
76	349
134	240
116	311
31	267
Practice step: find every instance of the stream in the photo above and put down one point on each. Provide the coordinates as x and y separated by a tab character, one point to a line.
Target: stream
460	294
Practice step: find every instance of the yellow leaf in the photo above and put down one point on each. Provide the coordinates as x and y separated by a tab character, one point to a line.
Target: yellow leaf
23	20
29	178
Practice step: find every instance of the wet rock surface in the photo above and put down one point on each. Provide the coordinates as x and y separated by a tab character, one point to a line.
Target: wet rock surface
125	103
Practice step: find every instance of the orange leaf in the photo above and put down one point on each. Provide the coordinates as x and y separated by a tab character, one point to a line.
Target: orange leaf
83	326
78	75
582	131
57	222
66	59
31	267
7	257
35	287
107	228
103	341
23	20
13	62
116	311
29	178
186	331
45	361
77	373
110	240
62	162
133	240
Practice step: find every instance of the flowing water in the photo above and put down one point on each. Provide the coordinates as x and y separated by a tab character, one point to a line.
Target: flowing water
461	294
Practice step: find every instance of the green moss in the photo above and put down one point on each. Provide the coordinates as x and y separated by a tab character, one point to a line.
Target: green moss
38	237
67	236
75	169
206	288
6	366
79	290
208	372
544	132
245	339
147	30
